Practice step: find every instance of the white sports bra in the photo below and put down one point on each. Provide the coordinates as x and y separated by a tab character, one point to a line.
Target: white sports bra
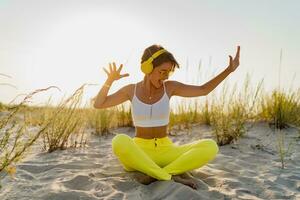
150	115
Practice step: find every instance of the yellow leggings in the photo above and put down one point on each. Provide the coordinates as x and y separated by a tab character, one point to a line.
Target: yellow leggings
160	158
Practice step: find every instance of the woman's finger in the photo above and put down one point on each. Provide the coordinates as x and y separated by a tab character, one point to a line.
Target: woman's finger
238	51
105	70
237	56
124	75
230	59
114	65
120	68
110	67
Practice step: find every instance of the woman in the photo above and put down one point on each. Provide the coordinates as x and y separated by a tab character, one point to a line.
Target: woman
151	151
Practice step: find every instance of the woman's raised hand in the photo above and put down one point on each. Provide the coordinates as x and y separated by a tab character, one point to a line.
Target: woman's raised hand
114	73
234	63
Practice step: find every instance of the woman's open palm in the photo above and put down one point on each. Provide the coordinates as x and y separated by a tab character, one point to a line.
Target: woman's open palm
114	73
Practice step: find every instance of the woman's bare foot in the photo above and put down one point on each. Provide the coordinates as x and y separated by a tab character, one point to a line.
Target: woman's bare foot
143	178
189	182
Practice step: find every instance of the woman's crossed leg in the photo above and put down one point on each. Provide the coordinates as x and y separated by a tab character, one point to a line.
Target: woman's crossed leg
134	158
176	160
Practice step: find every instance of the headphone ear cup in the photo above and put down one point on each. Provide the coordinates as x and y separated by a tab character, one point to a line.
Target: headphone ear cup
147	67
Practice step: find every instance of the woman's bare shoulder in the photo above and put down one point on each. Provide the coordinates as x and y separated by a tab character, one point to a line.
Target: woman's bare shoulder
170	86
130	90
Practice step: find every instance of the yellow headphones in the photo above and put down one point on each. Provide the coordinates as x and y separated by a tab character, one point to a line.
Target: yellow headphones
147	65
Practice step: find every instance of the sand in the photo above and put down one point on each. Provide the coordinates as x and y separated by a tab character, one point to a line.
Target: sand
247	169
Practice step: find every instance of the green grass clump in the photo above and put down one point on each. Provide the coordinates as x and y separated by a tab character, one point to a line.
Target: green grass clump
281	108
101	120
123	116
68	127
15	135
228	113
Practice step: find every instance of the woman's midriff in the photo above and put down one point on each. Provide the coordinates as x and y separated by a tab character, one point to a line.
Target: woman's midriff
151	132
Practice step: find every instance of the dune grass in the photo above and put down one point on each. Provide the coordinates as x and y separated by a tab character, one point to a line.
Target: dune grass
229	112
67	128
284	148
185	116
15	136
281	108
65	124
226	113
123	116
101	120
2	107
59	127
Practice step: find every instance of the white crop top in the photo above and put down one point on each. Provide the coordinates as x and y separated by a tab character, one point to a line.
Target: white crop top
150	115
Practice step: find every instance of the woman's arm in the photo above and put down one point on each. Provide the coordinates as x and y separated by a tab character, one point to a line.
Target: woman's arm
233	64
184	90
213	83
102	94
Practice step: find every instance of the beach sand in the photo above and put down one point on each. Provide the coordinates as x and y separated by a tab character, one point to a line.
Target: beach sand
248	169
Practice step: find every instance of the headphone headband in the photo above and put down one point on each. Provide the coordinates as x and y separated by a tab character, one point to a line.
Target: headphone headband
158	53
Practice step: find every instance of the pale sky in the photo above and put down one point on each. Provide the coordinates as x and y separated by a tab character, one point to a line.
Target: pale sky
66	43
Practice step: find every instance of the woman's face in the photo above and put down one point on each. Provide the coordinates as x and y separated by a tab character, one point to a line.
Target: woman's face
160	73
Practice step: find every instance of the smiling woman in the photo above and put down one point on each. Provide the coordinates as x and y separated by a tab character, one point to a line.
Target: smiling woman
151	151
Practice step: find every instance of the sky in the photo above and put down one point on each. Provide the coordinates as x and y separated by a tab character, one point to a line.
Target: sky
66	43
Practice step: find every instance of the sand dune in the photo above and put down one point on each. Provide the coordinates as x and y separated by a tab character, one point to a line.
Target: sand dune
248	169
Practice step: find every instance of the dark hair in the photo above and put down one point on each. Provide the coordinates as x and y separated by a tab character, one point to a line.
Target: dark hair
165	57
